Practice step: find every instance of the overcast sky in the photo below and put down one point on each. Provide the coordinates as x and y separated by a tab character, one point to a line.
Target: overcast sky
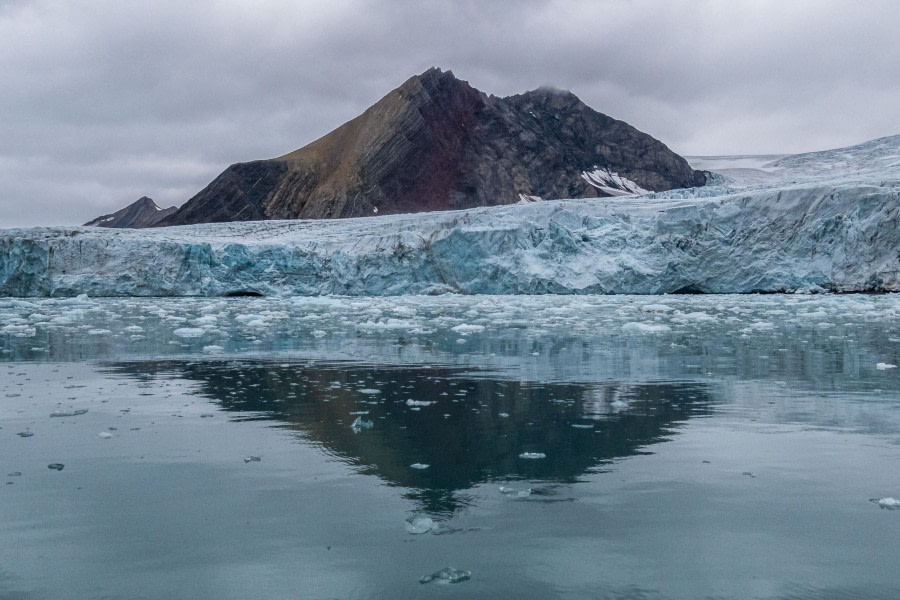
102	102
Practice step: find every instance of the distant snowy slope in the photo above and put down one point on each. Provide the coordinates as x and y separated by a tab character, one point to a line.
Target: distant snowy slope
873	160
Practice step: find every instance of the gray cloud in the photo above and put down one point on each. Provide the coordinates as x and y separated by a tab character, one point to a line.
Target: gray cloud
102	102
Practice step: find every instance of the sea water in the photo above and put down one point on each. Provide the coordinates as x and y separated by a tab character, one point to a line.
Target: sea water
464	446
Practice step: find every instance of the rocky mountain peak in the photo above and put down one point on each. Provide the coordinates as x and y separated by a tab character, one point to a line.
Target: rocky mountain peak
143	212
437	143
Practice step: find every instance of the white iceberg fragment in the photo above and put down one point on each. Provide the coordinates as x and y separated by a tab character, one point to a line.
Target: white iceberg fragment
359	424
189	332
419	525
888	503
636	327
466	329
419	402
69	413
532	455
446	575
515	493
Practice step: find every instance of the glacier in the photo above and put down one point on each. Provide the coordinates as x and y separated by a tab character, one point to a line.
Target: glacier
825	221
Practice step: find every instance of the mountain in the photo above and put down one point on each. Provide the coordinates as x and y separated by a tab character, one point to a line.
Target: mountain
140	213
436	143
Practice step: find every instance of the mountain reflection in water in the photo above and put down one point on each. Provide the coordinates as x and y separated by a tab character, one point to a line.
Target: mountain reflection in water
468	426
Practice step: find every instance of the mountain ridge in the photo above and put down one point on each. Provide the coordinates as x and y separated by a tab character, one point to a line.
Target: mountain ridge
143	212
437	143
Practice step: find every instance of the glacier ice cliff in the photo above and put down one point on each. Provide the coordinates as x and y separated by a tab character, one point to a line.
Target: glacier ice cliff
831	233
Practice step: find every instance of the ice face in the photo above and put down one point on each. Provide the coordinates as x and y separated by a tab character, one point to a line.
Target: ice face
811	228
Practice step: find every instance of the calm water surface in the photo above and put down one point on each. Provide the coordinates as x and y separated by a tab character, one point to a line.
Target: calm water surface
555	447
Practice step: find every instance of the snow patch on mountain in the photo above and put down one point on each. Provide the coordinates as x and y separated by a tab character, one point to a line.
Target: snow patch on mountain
611	183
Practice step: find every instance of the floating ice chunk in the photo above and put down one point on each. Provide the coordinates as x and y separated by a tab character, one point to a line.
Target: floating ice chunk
419	466
73	413
359	424
819	314
319	333
206	320
419	402
213	349
446	575
503	415
888	503
189	332
619	404
24	304
419	525
245	318
369	391
656	308
532	455
582	425
98	331
515	493
466	329
104	435
885	366
134	329
636	327
698	317
249	459
56	466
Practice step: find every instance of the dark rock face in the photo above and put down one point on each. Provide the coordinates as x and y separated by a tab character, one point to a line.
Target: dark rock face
140	213
436	143
238	194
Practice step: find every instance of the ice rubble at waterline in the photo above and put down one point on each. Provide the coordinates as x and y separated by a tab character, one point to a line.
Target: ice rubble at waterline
807	228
